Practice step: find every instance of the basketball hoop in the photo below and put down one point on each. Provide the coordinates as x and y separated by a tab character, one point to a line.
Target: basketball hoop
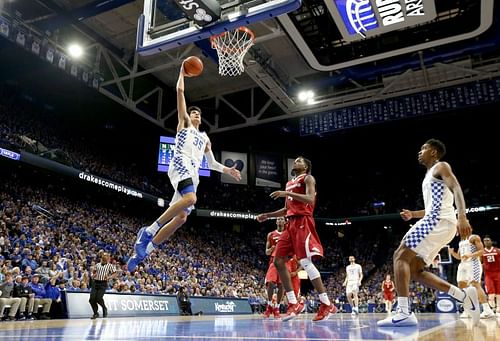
231	48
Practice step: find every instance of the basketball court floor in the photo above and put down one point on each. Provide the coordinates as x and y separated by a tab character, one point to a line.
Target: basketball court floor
250	327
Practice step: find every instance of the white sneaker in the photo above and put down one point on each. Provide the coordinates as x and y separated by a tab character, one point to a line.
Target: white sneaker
399	320
471	304
356	310
487	315
464	315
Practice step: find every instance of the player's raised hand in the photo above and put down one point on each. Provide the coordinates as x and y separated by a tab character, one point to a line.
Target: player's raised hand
234	173
406	214
463	227
183	70
278	194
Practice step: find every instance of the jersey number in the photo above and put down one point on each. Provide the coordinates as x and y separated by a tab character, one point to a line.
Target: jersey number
490	259
198	143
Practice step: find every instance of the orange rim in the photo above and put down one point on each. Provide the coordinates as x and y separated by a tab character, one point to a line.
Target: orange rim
213	39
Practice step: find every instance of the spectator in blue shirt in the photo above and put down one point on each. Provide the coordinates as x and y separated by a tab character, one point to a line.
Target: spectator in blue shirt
40	297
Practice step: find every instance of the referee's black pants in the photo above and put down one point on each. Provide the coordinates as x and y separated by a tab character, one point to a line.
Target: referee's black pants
97	296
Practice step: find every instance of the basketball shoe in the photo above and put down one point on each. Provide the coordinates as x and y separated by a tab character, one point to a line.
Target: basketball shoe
133	262
293	310
269	311
324	312
399	320
143	239
471	304
276	313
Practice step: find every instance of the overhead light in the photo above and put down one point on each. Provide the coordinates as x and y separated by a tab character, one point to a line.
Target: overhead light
75	50
306	96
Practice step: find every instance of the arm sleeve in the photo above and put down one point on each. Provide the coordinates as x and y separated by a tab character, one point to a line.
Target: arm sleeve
212	163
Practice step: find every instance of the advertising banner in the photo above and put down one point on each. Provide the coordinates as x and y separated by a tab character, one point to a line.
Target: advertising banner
268	170
220	306
230	159
121	305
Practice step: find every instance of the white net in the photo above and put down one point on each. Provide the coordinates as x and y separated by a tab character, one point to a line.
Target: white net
231	48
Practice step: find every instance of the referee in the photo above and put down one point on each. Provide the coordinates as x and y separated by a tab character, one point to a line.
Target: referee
102	273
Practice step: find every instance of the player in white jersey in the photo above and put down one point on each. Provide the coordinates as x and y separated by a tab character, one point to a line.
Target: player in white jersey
470	270
190	146
436	228
353	278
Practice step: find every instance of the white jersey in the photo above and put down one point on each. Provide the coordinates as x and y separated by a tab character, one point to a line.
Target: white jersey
189	149
190	146
354	273
470	269
466	247
438	199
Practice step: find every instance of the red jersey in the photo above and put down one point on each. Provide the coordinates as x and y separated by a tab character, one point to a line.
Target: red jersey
491	260
295	207
272	239
388	285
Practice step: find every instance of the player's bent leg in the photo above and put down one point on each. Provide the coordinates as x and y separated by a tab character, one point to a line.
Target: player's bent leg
169	229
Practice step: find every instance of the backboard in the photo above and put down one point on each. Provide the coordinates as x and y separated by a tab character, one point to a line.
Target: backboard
166	24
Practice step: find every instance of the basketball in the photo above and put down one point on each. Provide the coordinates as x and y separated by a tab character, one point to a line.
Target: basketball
193	66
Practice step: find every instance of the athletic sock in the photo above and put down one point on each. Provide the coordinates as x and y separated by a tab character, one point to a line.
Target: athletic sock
153	228
456	293
403	305
291	297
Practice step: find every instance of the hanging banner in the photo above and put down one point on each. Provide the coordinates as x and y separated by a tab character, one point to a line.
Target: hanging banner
268	170
230	159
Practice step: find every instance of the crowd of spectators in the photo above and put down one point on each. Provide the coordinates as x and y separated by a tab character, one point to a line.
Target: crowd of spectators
50	242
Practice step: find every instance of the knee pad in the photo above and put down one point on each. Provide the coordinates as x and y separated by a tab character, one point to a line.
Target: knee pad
310	268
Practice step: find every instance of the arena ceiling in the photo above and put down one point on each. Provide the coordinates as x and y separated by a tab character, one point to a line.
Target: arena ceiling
304	49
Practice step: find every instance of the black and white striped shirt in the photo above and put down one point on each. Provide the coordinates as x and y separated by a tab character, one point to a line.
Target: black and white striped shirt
102	271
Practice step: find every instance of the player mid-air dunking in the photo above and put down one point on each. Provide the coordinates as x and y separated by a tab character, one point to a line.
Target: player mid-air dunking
190	146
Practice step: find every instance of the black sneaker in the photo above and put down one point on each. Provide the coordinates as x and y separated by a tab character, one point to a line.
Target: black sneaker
93	317
105	313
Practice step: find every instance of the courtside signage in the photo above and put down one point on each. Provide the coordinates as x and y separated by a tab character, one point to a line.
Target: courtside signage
359	19
9	154
120	305
220	306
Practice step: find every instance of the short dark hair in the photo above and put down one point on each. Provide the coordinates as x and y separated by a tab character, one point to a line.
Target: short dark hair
308	164
438	146
193	107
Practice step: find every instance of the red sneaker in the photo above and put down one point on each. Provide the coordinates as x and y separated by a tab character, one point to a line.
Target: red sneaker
293	310
325	311
276	313
268	311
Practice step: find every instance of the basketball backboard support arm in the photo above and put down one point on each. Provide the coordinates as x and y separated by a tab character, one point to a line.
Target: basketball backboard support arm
181	31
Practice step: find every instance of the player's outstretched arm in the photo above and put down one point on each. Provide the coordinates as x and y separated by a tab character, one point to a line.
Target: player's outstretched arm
218	167
183	117
309	197
407	214
264	216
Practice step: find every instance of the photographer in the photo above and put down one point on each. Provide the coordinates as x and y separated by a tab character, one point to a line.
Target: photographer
184	303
